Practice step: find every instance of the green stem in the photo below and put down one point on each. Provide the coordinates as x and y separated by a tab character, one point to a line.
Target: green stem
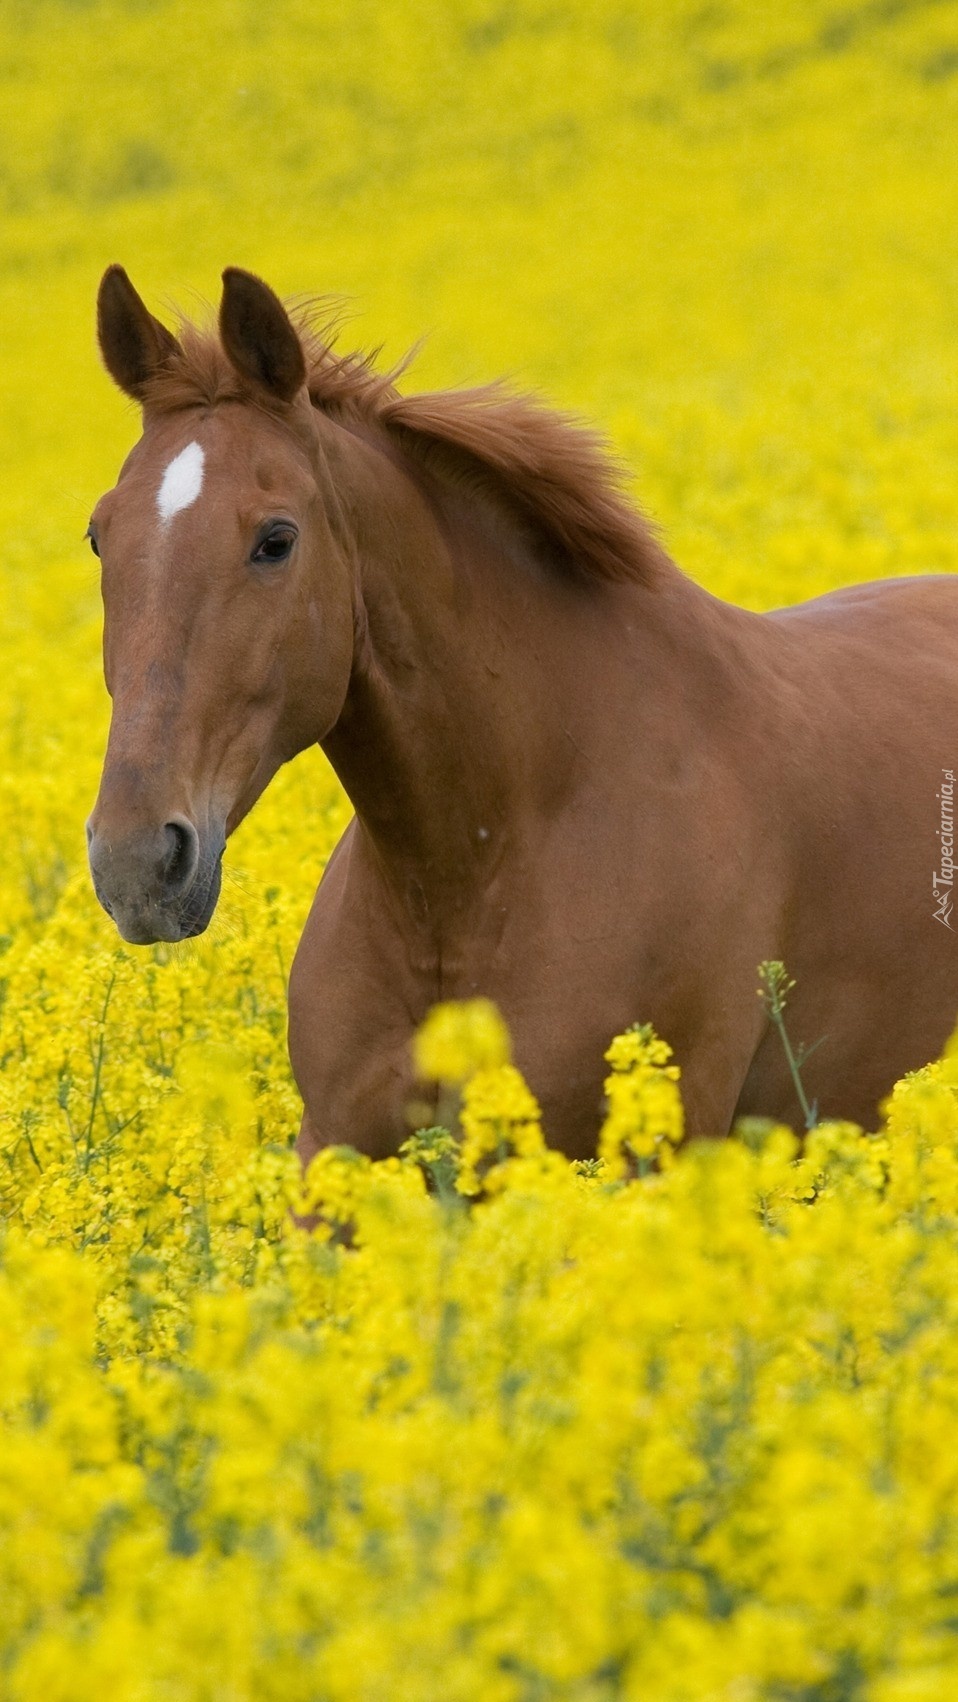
790	1059
98	1067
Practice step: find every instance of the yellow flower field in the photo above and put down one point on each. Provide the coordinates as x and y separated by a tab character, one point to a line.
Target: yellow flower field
677	1425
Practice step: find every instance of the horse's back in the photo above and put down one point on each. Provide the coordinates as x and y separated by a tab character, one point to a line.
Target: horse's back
881	659
878	607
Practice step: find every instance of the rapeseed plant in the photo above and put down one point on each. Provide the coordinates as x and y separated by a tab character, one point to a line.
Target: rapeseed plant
581	1438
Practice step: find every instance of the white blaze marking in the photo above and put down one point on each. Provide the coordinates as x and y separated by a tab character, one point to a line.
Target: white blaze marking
182	482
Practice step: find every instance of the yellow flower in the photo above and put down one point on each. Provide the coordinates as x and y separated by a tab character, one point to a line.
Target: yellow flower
500	1120
644	1107
457	1039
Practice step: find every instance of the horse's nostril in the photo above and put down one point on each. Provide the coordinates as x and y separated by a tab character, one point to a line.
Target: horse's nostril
182	854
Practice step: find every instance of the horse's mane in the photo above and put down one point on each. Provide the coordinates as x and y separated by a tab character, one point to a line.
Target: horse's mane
555	472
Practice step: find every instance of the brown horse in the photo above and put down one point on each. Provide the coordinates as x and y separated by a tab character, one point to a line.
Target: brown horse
583	786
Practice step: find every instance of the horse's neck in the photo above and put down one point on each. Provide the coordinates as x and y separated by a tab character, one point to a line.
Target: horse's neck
430	744
479	671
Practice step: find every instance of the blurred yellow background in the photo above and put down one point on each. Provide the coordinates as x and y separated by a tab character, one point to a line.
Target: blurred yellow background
726	231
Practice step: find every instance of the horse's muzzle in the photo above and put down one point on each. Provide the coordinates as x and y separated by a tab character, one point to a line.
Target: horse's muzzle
157	883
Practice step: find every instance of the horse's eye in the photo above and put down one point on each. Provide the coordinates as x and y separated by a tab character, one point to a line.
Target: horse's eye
91	535
275	544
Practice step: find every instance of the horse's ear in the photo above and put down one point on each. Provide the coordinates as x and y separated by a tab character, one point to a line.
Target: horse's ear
133	344
259	337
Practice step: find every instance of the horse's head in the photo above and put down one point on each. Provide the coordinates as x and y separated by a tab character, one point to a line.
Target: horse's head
227	593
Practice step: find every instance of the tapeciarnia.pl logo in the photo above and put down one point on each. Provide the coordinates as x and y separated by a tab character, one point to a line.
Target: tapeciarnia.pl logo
943	881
